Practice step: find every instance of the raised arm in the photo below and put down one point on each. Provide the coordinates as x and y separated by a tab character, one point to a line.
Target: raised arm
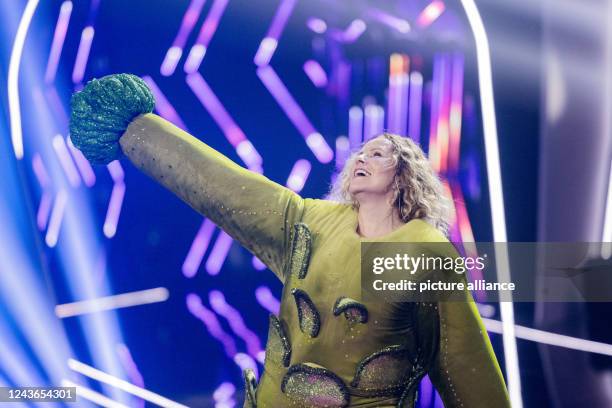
112	116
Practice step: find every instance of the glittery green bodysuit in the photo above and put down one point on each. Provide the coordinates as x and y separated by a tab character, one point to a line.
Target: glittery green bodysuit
327	347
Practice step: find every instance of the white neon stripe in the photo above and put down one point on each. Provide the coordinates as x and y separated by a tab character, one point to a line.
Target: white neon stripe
123	385
496	196
141	297
553	339
606	238
93	396
13	77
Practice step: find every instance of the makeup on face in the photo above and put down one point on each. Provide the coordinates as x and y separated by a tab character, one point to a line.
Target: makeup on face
375	156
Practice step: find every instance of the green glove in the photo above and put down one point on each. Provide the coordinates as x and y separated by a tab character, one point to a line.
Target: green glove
102	111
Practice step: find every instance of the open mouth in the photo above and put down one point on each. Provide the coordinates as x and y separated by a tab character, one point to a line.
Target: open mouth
361	173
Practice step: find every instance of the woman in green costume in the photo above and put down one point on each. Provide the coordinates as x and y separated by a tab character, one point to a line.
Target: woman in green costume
328	347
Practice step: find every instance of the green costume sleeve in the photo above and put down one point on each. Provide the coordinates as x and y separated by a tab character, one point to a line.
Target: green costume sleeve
112	116
255	211
461	361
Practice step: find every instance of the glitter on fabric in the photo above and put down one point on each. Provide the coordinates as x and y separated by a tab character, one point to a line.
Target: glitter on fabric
300	250
385	372
310	385
354	311
250	386
410	394
102	111
278	350
308	315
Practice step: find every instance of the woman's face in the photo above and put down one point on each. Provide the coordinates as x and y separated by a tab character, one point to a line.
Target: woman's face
374	169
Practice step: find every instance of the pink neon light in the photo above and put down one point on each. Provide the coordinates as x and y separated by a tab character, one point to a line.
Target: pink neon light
456	109
430	13
444	112
198	249
59	37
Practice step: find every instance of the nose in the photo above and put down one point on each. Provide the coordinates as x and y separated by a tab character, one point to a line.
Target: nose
361	158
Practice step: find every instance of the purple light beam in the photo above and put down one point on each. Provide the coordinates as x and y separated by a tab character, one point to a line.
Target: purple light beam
114	210
236	322
59	145
414	106
198	249
316	73
174	53
59	36
218	253
268	45
198	50
355	127
266	299
298	175
244	148
82	54
195	306
373	122
87	173
163	105
55	222
314	139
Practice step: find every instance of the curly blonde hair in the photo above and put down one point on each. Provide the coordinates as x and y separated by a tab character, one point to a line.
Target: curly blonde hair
419	192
